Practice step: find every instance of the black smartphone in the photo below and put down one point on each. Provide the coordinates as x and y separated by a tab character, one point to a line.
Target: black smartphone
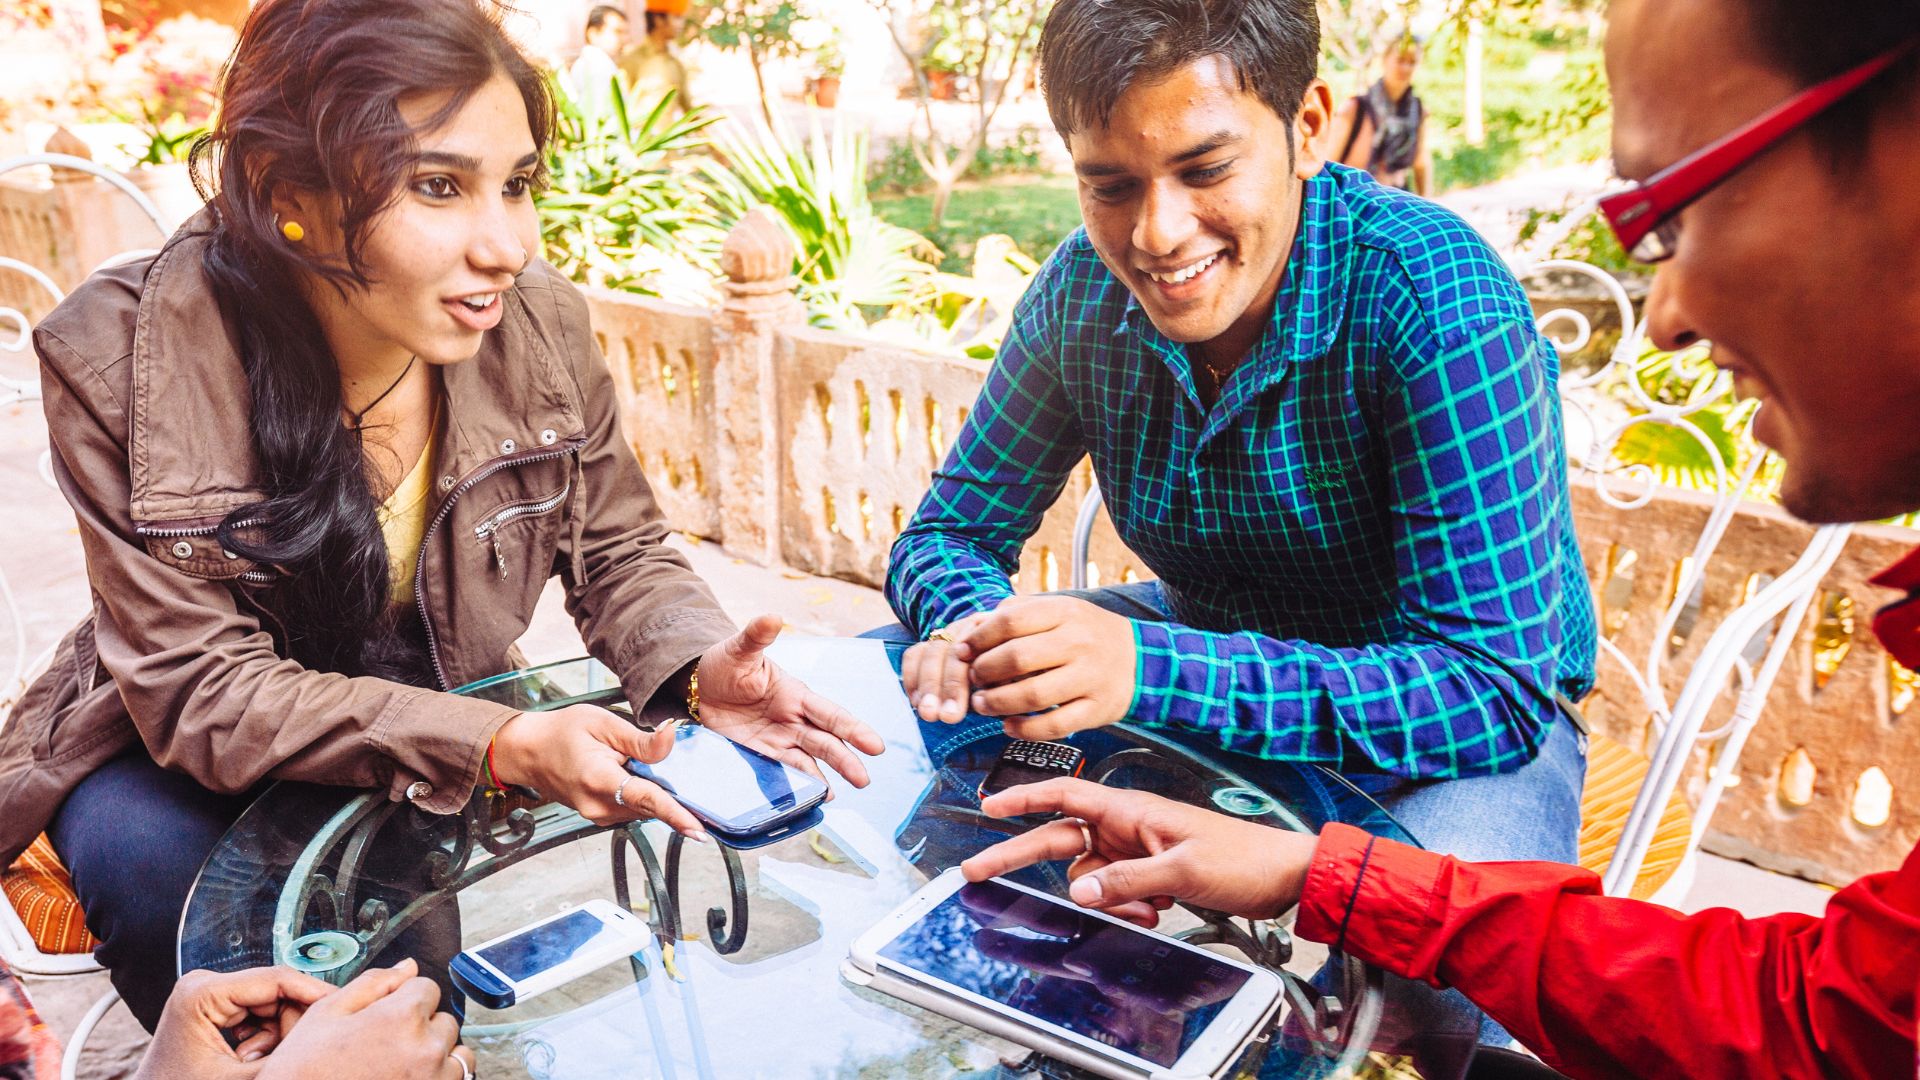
1025	761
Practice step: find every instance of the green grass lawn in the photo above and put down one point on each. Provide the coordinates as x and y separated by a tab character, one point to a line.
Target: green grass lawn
1038	212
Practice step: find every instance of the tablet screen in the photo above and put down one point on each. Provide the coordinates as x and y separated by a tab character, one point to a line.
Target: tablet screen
1129	989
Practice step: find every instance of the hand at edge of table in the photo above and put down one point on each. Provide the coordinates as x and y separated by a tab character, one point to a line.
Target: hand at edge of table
1149	851
292	1026
750	699
384	1025
937	673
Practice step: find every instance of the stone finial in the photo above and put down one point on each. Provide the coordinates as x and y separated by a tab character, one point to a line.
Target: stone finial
66	142
757	250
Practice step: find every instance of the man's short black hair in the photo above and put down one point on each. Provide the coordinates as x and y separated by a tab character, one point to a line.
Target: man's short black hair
1814	42
655	19
1091	51
598	17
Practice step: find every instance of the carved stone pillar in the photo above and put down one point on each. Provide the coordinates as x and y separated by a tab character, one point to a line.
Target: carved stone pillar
757	259
86	232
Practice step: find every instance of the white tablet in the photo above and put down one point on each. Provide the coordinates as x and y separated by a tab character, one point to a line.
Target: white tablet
1126	1002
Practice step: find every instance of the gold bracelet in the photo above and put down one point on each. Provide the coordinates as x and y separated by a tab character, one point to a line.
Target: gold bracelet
693	693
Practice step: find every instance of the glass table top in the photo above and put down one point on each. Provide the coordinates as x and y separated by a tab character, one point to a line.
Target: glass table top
742	977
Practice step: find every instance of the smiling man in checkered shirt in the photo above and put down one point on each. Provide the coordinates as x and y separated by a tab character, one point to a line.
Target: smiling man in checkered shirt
1318	410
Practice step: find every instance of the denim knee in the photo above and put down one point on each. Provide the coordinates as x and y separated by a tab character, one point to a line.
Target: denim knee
134	837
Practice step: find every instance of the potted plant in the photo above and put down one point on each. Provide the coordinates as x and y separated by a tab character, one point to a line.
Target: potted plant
943	74
829	64
160	161
160	84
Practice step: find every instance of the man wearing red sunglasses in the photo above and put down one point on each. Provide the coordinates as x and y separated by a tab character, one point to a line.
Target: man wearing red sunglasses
1774	149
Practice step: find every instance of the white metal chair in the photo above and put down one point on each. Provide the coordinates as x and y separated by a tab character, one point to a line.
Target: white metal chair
17	945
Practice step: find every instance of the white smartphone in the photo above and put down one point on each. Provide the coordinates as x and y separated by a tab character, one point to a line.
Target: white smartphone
552	952
1108	996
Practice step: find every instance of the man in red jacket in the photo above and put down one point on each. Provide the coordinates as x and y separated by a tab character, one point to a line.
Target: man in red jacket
1775	146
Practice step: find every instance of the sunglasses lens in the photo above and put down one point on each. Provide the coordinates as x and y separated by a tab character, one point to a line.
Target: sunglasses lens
1658	245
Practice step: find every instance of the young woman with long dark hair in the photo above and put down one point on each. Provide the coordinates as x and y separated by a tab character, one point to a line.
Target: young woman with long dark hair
325	450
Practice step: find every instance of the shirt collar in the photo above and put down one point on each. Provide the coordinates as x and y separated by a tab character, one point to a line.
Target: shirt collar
1308	309
1898	624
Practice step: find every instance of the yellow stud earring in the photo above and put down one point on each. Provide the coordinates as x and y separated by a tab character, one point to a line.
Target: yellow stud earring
293	232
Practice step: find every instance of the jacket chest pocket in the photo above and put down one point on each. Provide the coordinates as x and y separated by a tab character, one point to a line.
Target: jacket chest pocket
522	530
201	556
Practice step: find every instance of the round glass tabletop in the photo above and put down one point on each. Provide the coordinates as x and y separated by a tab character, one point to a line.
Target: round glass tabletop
742	977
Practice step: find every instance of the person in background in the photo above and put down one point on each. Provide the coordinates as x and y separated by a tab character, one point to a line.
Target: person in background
1773	150
651	67
1384	130
594	70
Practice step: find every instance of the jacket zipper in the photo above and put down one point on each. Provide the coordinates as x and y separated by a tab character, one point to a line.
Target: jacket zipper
446	507
489	530
195	530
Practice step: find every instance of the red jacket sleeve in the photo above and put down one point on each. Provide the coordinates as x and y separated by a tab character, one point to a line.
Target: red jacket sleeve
1605	987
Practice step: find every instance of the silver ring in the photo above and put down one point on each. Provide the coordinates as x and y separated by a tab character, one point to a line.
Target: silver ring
465	1073
1086	836
619	793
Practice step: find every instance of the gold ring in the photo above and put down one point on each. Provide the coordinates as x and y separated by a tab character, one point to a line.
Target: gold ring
940	635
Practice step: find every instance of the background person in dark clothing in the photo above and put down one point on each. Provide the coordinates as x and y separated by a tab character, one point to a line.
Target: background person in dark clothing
1384	130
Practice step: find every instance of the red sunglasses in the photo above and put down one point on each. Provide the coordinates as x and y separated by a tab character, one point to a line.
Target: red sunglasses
1643	215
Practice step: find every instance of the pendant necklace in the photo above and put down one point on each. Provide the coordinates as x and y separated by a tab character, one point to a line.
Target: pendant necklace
355	417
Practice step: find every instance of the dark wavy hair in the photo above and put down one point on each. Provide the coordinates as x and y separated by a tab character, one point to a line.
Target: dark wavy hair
1814	42
310	101
1091	51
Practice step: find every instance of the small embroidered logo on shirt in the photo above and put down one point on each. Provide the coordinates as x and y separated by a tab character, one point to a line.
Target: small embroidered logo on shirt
1326	477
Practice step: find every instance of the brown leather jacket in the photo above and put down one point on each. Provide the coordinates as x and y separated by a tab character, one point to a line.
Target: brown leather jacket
148	410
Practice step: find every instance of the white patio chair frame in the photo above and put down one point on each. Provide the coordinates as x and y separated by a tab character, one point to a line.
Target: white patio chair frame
16	944
1740	647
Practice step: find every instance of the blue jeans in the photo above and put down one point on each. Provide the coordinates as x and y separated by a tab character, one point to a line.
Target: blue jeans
137	838
1530	813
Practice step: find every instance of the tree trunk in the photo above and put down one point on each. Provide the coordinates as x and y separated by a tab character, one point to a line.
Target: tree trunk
946	174
1473	63
759	79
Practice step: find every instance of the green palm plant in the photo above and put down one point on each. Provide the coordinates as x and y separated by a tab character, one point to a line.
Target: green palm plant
625	197
851	263
1675	456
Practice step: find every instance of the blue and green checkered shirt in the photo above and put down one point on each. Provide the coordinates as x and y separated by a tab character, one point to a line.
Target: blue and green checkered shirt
1366	543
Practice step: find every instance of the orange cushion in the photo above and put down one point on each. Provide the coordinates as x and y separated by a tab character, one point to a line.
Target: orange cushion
42	895
1614	776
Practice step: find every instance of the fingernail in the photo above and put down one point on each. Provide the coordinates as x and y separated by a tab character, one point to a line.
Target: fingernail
979	702
929	704
700	837
252	1055
954	709
1087	890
